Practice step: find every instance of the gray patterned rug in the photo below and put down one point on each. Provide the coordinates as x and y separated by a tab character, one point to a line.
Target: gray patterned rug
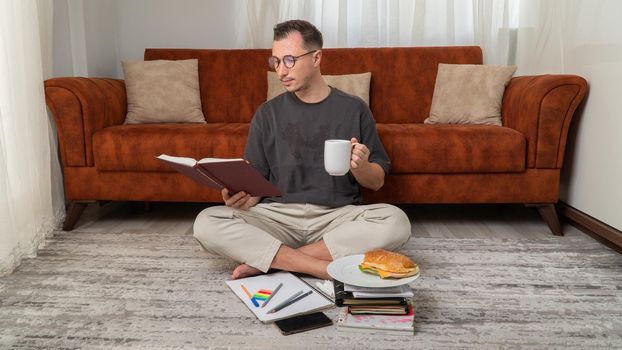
158	291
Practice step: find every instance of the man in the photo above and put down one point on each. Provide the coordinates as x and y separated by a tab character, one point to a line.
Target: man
317	219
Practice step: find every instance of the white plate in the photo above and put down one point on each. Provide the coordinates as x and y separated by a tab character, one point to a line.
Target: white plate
346	270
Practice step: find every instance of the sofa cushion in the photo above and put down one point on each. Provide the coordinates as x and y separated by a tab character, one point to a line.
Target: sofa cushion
163	91
353	84
134	147
402	94
469	94
421	148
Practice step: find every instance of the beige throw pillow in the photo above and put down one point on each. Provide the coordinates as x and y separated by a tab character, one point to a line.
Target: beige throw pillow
469	94
353	84
162	91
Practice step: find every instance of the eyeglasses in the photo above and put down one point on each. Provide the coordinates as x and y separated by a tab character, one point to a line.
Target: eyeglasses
288	60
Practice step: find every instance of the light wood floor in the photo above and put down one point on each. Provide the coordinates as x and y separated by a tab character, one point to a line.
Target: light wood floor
435	221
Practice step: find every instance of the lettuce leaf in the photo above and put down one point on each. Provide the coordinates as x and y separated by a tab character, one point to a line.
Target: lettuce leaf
368	270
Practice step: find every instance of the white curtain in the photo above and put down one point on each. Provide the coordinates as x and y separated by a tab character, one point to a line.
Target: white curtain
490	24
31	202
557	32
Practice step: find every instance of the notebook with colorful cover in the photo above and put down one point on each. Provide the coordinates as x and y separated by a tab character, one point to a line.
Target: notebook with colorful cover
385	323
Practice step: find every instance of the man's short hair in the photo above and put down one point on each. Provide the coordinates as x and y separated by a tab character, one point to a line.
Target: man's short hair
311	36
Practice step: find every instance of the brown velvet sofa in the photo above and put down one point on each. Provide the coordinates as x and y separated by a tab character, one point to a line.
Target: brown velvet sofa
519	162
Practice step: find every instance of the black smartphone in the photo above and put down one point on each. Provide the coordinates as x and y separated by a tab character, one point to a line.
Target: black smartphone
303	323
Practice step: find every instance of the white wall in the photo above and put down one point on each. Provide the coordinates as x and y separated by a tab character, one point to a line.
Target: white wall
62	62
593	180
101	36
585	38
175	24
92	37
85	38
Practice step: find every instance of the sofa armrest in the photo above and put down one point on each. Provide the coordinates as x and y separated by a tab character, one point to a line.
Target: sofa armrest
80	107
541	107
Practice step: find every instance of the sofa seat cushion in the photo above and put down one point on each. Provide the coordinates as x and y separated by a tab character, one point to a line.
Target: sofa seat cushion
134	147
423	148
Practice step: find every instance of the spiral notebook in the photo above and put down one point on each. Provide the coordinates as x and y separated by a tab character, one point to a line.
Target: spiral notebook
262	286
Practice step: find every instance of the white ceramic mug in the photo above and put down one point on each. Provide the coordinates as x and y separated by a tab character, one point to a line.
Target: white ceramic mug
337	154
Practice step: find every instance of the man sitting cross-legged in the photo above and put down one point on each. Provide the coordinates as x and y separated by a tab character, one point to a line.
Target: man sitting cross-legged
319	217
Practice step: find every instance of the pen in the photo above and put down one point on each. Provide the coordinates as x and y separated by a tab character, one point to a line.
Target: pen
290	301
286	301
250	296
273	293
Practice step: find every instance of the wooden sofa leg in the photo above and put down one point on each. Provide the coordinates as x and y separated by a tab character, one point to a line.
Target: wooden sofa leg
549	215
75	209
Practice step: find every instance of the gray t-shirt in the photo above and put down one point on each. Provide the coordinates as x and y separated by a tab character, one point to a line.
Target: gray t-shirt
286	145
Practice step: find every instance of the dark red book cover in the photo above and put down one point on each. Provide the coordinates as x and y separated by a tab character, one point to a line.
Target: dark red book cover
235	174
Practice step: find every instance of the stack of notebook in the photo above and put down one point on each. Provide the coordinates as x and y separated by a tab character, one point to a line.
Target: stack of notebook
382	309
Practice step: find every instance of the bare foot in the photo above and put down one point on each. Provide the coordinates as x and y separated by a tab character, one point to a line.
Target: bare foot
244	271
322	272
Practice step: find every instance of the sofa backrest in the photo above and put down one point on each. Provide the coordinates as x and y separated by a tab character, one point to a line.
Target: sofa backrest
234	82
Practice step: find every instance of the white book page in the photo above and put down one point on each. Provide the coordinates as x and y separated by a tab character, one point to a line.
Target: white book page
367	292
190	162
187	161
291	285
408	294
216	160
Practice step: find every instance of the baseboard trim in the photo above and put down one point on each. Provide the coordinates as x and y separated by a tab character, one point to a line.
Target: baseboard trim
609	236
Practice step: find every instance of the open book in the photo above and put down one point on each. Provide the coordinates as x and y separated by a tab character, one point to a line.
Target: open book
234	174
264	285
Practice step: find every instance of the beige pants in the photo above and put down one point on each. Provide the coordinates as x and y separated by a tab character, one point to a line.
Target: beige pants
254	236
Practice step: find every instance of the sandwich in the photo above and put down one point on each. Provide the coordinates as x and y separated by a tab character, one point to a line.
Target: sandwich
388	264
